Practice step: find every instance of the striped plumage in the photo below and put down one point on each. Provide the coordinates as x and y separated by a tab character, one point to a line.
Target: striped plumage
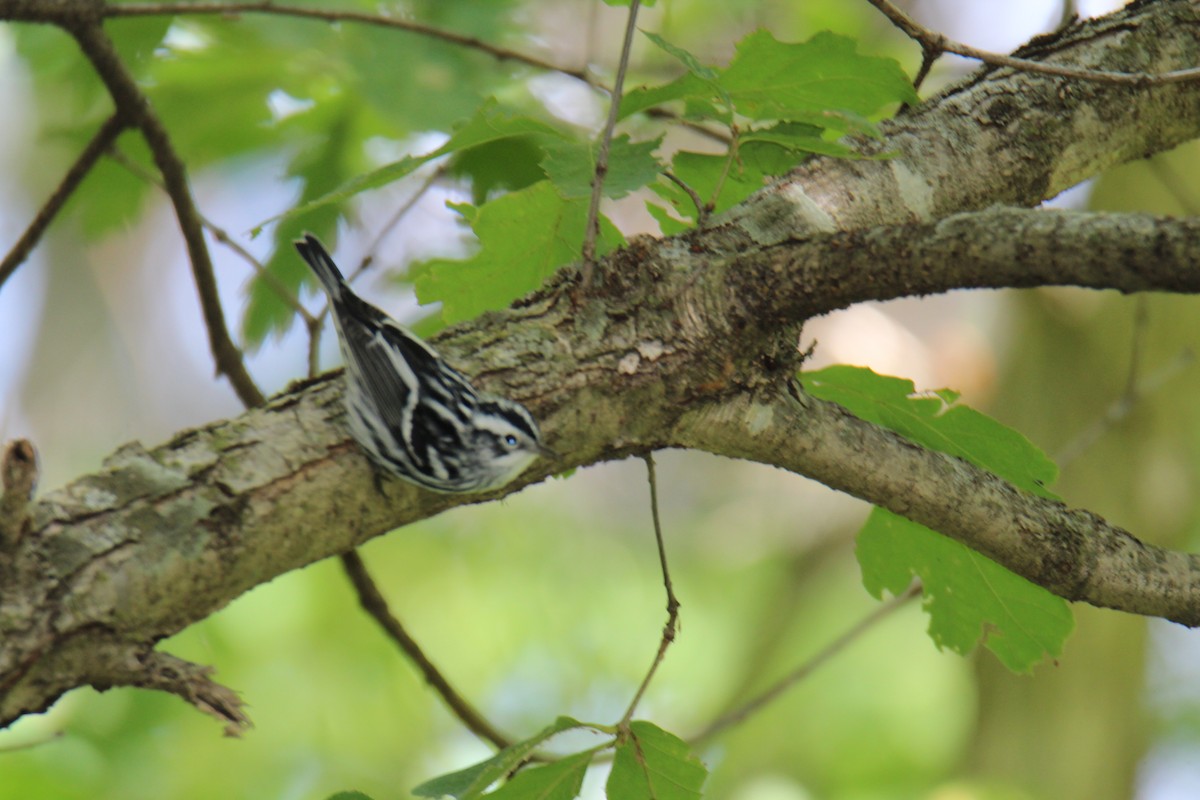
416	416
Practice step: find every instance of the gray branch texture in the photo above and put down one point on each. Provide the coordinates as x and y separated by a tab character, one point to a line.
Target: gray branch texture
681	342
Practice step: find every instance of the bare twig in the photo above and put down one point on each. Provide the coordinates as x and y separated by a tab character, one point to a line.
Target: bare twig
1122	406
401	212
375	605
669	630
614	107
101	141
132	104
702	208
839	644
934	42
222	236
331	15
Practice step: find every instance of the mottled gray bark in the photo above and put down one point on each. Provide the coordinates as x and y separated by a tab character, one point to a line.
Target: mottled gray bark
686	342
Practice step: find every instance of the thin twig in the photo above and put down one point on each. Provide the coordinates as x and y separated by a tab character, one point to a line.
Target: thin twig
222	236
132	104
1122	406
330	15
401	212
839	644
101	141
936	42
669	629
702	209
614	107
375	605
1068	14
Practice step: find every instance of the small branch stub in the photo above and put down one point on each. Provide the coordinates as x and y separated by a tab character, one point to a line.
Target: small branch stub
18	474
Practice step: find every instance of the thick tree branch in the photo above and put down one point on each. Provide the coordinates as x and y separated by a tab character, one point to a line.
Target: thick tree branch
1073	553
683	342
162	538
997	137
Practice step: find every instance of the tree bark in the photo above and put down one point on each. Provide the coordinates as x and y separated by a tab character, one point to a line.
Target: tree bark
685	342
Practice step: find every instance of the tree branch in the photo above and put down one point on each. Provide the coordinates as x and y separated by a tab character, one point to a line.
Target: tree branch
697	334
133	105
935	44
374	604
100	142
1073	553
337	15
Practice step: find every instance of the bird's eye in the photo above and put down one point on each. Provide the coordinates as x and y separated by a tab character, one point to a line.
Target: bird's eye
510	440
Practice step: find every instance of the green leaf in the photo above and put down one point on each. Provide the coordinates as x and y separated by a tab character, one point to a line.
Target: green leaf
507	265
652	764
968	596
473	781
936	420
571	166
685	87
692	63
319	169
349	796
111	196
769	79
668	224
491	123
504	165
559	780
823	82
798	137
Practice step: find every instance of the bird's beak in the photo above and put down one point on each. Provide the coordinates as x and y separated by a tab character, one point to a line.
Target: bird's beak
546	452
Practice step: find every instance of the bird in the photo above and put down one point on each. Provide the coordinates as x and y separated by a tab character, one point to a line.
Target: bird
415	416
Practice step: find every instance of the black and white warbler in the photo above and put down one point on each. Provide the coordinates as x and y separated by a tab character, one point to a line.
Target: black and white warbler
416	416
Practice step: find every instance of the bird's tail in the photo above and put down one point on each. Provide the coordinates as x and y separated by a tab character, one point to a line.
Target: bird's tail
314	253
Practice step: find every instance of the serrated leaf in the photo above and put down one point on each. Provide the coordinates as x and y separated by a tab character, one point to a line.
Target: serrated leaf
737	181
472	782
937	421
489	124
504	165
507	266
558	780
652	764
769	79
823	82
571	166
968	597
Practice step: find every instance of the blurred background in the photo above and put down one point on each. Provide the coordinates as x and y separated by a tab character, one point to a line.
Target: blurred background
550	602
